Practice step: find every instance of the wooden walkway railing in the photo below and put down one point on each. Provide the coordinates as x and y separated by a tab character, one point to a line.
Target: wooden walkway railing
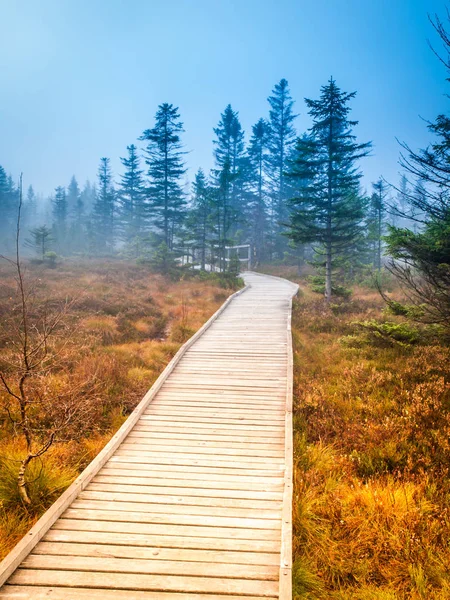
192	497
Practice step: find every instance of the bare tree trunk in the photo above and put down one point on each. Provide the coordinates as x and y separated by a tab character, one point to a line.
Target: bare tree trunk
21	481
328	266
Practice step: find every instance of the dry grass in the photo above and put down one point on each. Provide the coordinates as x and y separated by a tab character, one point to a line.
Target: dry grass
372	458
125	325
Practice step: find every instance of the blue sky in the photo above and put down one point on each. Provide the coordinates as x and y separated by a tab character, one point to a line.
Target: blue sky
81	79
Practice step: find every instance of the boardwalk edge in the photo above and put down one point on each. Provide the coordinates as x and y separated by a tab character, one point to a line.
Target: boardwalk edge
29	541
285	577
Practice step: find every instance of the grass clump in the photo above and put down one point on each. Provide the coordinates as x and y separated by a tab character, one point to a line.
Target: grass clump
46	478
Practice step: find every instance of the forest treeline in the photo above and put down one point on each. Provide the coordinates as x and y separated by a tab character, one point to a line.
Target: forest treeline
259	192
291	196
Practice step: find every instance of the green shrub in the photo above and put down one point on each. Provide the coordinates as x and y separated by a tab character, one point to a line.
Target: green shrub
50	258
389	334
317	284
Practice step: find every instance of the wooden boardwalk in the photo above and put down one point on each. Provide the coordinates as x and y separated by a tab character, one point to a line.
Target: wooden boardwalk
191	499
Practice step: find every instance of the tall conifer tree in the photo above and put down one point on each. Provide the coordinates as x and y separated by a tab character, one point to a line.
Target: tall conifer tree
229	159
59	212
376	229
104	210
133	213
258	158
8	205
281	143
164	157
328	211
201	219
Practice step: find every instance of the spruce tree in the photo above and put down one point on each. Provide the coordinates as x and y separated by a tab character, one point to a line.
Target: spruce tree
258	159
40	241
201	218
29	215
73	195
88	196
281	143
59	212
133	214
376	221
328	211
103	211
8	206
229	157
164	157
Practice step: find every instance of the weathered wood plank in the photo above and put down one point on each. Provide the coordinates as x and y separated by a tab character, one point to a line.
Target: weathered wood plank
92	500
137	494
109	535
127	581
13	592
154	553
199	473
191	479
126	516
119	485
108	564
188	467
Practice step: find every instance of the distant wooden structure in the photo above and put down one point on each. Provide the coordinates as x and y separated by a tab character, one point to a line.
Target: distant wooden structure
191	255
192	497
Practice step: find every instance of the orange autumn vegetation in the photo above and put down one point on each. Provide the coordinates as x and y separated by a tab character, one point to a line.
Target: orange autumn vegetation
372	453
123	326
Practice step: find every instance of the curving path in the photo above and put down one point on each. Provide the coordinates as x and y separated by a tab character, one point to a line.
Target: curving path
191	500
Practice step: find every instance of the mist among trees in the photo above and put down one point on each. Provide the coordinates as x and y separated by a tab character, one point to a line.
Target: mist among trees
292	196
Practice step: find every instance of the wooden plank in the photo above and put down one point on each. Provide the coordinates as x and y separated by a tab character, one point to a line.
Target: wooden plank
201	460
158	529
226	403
13	592
88	531
219	429
132	461
226	449
222	396
211	474
99	501
210	420
224	413
196	406
127	516
220	459
154	553
127	581
188	436
119	484
107	564
136	494
190	479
